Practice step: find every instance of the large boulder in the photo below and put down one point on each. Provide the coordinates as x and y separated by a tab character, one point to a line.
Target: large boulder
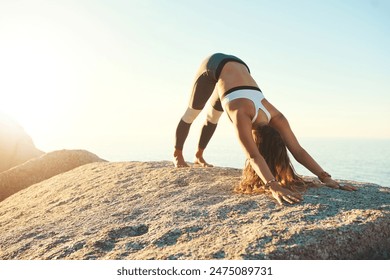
151	210
16	146
39	169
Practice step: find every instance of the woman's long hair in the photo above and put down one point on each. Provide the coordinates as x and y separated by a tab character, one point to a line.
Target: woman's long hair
274	151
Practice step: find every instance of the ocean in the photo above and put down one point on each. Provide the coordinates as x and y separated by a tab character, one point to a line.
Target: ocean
363	160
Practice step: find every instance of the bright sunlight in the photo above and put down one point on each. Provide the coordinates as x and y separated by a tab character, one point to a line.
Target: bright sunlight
41	72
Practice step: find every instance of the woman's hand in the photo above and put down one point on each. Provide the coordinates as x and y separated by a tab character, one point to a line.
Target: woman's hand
329	182
282	194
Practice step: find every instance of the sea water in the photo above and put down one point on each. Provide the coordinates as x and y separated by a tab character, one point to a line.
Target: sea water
364	160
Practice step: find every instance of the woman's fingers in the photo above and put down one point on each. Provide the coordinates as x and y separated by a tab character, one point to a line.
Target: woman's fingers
347	187
282	194
296	198
289	198
298	195
278	199
333	184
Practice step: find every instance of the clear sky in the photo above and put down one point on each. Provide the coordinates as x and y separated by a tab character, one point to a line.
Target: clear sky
114	77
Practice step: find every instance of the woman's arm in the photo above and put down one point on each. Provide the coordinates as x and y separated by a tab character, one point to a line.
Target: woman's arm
280	123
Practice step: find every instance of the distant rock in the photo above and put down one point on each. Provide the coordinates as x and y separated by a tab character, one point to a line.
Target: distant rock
38	169
16	146
151	210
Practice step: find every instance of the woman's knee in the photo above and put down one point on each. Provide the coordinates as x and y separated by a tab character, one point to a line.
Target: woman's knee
213	115
190	115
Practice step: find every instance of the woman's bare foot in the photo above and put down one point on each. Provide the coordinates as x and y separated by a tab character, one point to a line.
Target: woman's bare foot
199	160
179	159
202	163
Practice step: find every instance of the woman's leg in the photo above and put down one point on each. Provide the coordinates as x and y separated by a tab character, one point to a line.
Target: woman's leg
203	88
214	113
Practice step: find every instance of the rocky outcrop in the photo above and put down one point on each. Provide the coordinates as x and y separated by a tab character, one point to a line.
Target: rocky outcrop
150	210
16	146
42	168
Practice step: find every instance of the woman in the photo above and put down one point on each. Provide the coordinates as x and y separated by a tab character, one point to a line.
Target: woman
238	94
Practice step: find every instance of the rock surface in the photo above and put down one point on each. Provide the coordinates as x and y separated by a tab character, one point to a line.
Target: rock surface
150	210
16	146
42	168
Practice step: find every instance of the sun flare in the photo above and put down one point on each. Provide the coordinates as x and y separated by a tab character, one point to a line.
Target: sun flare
37	73
31	83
